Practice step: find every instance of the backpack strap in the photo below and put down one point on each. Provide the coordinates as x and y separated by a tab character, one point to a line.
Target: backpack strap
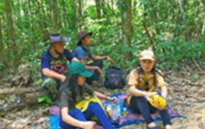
140	71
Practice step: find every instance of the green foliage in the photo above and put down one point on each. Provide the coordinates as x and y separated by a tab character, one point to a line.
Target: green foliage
177	36
12	98
170	54
44	99
194	77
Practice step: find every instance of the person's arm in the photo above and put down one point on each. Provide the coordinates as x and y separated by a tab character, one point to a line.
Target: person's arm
52	74
46	71
162	85
103	58
164	92
74	59
91	67
74	122
64	104
139	93
102	96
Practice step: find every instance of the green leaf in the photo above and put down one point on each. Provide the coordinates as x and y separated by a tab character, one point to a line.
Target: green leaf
195	76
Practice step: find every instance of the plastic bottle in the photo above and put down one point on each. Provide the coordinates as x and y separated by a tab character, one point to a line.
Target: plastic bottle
125	111
116	110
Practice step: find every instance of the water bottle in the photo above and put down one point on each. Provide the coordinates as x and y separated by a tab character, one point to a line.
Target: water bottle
116	112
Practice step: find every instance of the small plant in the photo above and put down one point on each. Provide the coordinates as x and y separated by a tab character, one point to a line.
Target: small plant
194	77
44	99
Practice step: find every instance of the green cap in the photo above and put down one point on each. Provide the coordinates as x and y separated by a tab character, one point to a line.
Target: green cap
78	68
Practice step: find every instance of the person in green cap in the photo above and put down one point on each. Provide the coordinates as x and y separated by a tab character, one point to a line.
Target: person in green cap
74	91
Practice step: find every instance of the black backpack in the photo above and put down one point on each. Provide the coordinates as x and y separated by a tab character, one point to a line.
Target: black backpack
114	78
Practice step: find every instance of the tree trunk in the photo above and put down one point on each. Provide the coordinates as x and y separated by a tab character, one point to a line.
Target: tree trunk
54	14
148	34
1	40
64	19
80	24
203	15
15	90
11	40
75	16
31	25
126	24
10	24
97	4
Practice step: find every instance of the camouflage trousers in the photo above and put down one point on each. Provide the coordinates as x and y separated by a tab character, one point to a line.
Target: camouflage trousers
50	86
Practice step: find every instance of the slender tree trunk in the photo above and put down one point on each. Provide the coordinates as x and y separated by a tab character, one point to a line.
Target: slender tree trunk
1	40
80	19
148	33
9	22
203	15
126	24
54	14
77	15
11	40
31	25
43	14
75	19
97	4
64	17
104	11
181	7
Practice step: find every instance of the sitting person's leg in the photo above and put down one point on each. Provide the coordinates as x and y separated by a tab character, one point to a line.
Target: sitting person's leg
96	74
95	109
141	106
50	86
165	117
75	113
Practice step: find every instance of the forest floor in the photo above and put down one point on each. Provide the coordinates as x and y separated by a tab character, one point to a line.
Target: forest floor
186	96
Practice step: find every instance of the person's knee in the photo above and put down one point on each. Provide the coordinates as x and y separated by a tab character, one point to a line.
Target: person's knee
49	82
75	111
95	107
50	85
140	99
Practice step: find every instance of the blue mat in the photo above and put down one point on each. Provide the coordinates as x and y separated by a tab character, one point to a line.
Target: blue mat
129	118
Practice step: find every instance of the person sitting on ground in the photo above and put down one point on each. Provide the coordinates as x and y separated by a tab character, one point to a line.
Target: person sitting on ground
54	64
74	91
84	54
142	83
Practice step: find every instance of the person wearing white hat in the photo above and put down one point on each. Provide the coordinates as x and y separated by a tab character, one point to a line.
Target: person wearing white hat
142	83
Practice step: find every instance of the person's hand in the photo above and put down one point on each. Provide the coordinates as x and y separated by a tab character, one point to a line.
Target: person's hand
63	78
114	99
149	94
88	125
110	60
99	70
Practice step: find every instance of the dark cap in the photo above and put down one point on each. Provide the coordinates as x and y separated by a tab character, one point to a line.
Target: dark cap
82	35
54	38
